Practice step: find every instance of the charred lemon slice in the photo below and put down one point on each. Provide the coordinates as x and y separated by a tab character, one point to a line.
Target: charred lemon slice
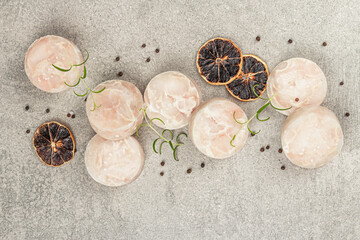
219	61
254	72
54	144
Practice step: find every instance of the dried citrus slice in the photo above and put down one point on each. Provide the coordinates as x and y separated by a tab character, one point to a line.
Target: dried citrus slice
219	61
254	72
54	144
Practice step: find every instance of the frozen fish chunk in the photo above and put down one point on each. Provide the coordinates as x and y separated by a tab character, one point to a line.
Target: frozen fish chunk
114	163
172	97
119	114
212	127
50	50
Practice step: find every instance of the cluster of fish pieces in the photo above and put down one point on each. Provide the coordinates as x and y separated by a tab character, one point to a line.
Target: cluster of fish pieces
311	135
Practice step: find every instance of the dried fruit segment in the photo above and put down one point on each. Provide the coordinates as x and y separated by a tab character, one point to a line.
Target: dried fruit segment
219	61
253	77
54	144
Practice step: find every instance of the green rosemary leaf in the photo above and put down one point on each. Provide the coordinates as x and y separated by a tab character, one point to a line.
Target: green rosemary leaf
280	109
154	143
256	93
167	130
156	119
171	145
137	130
260	110
261	120
252	131
81	95
161	146
177	138
74	84
232	140
62	69
237	120
95	106
87	57
98	91
84	76
174	153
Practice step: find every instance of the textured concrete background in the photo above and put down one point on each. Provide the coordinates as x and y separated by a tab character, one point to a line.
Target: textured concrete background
244	197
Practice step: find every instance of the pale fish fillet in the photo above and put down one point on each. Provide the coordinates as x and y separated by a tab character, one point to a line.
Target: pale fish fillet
212	127
311	136
297	82
50	50
114	163
172	97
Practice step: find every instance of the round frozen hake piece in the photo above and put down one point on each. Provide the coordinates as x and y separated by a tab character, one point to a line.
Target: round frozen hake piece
114	163
212	126
172	97
50	50
297	82
119	113
311	136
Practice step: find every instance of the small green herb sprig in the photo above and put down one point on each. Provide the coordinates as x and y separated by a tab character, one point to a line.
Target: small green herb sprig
268	102
81	79
173	144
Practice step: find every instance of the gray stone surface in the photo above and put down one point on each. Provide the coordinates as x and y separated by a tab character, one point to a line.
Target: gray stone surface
244	197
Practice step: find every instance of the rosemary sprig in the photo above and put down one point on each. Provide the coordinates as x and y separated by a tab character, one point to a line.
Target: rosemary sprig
81	79
268	102
173	144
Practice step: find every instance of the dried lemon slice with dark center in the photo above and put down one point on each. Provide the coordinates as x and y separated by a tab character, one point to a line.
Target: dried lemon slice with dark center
54	144
219	61
254	72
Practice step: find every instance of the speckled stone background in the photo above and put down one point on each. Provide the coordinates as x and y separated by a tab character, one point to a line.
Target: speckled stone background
245	197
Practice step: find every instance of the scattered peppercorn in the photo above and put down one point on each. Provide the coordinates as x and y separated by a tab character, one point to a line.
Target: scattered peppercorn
27	107
117	59
47	110
268	147
280	150
258	38
282	167
290	41
161	173
189	170
120	74
341	83
73	116
157	50
148	59
28	131
202	165
296	99
347	114
143	46
162	163
252	134
85	98
68	115
262	149
324	44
